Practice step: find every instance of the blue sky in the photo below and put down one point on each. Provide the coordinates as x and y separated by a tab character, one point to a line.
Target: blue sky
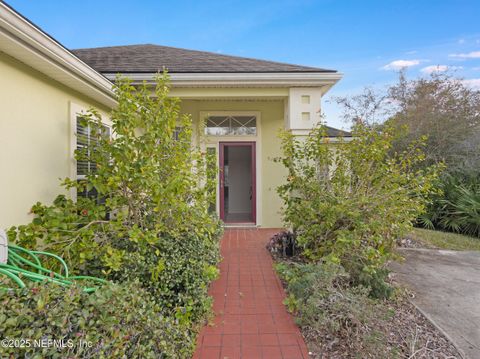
366	40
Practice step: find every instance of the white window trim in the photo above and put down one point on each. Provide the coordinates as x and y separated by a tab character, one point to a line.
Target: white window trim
214	138
75	110
229	117
213	141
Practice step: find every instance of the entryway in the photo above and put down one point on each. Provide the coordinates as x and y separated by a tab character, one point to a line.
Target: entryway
237	182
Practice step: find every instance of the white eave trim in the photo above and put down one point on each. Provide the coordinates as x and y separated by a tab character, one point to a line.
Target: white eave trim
254	79
22	40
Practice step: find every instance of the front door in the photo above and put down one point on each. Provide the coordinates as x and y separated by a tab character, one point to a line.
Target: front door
237	182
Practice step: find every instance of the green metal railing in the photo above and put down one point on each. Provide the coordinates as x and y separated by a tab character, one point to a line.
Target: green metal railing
23	264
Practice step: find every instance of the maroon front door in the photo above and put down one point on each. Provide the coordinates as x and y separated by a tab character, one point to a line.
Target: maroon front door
237	182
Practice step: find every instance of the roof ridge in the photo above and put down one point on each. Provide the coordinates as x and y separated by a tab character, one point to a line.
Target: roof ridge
109	47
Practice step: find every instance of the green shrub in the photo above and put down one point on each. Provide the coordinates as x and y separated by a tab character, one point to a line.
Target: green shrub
117	321
332	312
149	220
347	203
152	182
75	230
182	269
457	207
175	269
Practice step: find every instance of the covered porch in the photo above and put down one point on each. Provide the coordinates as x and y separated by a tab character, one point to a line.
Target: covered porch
240	126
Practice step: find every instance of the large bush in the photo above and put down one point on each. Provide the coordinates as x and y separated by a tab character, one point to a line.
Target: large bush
175	268
118	321
182	269
348	202
146	214
148	176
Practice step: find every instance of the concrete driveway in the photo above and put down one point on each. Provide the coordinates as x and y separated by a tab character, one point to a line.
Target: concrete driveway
447	288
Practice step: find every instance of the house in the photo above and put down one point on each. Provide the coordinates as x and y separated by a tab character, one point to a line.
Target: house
244	103
42	86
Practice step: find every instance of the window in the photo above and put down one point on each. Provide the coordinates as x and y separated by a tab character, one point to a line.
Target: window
86	143
84	167
305	99
231	126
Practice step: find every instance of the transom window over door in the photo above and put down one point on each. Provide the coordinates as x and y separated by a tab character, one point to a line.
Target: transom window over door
240	125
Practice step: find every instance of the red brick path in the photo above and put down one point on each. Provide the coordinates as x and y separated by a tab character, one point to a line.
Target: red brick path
250	319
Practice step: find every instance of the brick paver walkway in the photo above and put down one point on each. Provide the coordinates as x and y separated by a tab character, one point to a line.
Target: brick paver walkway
250	319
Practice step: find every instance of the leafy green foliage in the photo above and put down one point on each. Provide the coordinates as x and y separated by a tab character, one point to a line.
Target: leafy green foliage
457	207
175	270
149	221
120	321
347	203
73	229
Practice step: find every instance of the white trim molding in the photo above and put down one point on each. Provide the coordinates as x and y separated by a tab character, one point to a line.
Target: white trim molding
249	79
328	139
75	110
25	42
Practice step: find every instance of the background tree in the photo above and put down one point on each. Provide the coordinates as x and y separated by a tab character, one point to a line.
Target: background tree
440	108
445	113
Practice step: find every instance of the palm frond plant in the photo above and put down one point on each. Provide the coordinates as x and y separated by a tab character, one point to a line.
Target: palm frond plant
457	207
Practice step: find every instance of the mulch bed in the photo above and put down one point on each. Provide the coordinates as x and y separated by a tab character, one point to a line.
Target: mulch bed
407	330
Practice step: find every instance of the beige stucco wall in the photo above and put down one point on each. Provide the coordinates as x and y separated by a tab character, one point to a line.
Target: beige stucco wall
272	174
35	138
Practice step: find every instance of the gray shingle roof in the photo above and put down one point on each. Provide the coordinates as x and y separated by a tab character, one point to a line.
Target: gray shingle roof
153	58
334	132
